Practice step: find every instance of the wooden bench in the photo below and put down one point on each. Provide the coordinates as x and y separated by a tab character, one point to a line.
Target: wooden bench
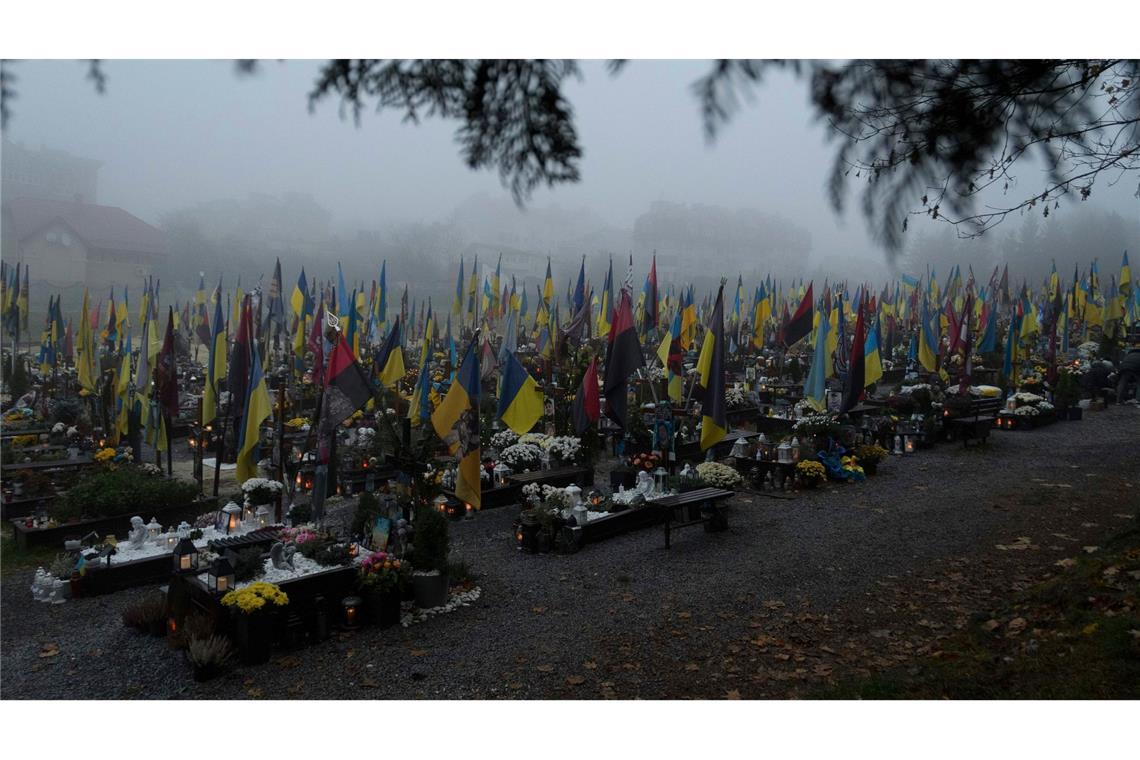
699	507
976	422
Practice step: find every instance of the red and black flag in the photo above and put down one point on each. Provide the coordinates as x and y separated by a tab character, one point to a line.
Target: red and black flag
348	388
165	371
586	408
801	323
623	358
237	375
856	367
316	344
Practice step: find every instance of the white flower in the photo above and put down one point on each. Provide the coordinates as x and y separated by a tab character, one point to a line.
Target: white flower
734	396
504	439
58	428
521	456
1026	411
719	475
536	439
1028	398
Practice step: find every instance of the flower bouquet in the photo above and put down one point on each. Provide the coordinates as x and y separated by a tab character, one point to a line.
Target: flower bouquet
811	473
719	475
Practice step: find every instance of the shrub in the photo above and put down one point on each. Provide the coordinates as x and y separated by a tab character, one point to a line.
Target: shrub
367	509
212	652
430	541
248	564
121	491
62	567
142	613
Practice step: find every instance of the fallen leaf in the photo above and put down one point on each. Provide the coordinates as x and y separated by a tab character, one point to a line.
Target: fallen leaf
538	610
545	668
590	665
295	689
1091	549
254	692
418	652
1066	563
1090	629
773	604
575	680
684	615
515	686
49	650
732	694
1016	626
990	625
692	666
369	683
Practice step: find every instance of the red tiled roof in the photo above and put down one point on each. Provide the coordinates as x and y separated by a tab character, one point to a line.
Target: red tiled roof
105	227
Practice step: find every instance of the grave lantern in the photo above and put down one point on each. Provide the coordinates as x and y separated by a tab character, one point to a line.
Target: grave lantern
350	607
263	516
764	449
440	503
898	445
596	497
909	443
574	493
740	448
185	557
220	579
233	517
659	478
153	530
170	539
784	453
469	510
795	449
501	472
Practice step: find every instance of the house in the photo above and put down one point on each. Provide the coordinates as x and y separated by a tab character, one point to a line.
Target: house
72	244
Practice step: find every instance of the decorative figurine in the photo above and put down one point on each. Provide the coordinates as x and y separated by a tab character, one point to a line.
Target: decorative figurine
281	555
138	533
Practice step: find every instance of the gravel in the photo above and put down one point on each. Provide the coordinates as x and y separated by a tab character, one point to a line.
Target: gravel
542	621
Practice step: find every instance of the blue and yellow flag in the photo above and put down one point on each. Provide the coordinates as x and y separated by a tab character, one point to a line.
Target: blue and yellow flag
520	400
456	421
216	369
257	410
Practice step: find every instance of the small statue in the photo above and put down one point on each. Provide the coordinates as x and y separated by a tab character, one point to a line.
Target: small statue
137	535
644	482
38	584
281	555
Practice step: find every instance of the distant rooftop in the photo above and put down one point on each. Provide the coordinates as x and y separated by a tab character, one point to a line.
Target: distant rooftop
102	227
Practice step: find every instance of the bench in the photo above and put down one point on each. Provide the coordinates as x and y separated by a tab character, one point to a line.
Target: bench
698	507
976	421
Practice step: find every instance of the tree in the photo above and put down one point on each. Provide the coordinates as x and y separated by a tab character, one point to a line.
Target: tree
937	138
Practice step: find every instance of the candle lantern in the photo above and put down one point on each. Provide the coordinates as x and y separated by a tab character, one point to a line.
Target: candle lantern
247	513
909	443
500	473
574	493
795	449
763	449
220	578
170	539
596	497
183	529
232	514
784	453
263	516
440	503
350	607
659	480
185	556
153	530
740	448
469	509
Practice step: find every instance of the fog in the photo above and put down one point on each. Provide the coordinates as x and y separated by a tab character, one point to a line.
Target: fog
197	147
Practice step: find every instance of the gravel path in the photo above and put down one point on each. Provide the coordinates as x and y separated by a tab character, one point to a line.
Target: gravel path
846	578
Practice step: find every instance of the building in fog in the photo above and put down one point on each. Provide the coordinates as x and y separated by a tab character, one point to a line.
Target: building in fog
47	174
69	245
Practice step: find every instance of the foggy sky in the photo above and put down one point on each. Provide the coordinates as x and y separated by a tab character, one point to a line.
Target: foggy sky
171	134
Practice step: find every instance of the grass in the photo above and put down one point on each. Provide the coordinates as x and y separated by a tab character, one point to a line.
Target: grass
1081	641
12	558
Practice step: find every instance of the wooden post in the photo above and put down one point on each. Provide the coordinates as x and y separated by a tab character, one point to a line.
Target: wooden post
280	445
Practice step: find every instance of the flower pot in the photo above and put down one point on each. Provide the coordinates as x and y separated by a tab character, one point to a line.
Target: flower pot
389	609
206	672
254	638
431	590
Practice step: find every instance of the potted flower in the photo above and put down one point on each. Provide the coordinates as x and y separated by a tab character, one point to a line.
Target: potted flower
254	604
429	558
209	656
811	473
383	579
869	456
719	475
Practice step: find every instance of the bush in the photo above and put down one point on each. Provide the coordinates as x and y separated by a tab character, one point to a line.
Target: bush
299	514
213	652
125	490
367	509
430	541
248	564
143	613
